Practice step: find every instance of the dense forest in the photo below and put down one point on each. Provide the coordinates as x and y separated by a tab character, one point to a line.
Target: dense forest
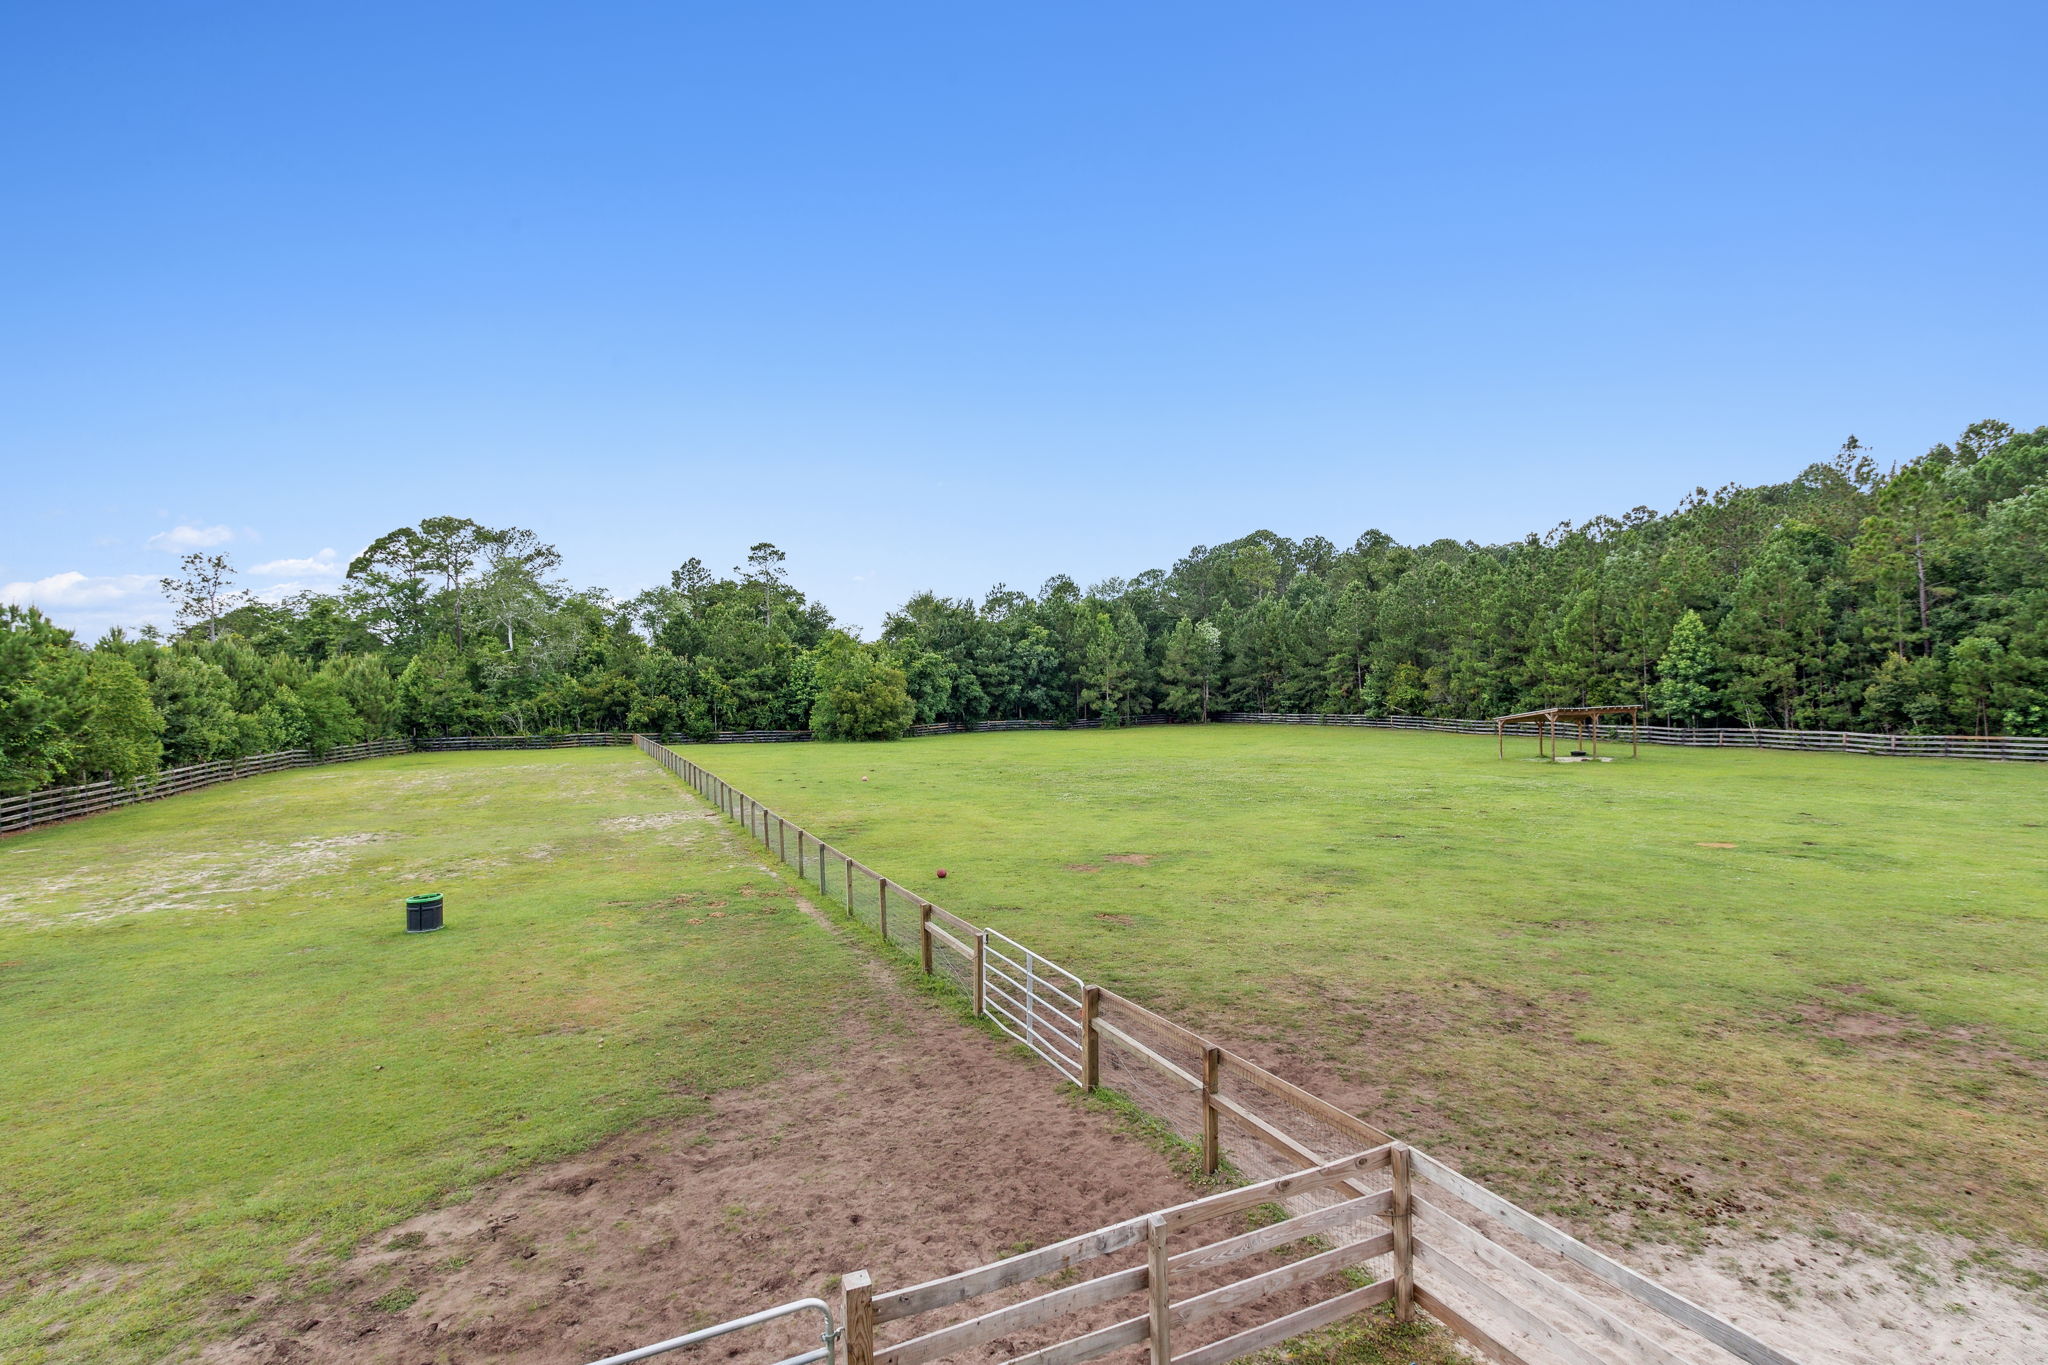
1908	600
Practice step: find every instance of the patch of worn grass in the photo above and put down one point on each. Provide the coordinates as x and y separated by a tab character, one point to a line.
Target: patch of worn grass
1372	1338
227	1063
1183	1156
1560	975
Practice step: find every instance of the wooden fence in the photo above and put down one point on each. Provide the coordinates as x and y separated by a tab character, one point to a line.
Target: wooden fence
47	807
1372	1220
64	803
1999	747
53	804
449	744
590	739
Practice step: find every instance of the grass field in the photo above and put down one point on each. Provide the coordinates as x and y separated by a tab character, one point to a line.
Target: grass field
225	1061
1702	987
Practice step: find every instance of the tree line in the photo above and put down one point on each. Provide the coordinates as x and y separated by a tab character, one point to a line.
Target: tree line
1913	599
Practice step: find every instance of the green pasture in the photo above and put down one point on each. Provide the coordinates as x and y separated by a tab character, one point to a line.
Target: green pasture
225	1062
1655	995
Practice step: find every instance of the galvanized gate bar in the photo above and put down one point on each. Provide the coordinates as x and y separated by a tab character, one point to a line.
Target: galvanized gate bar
766	1315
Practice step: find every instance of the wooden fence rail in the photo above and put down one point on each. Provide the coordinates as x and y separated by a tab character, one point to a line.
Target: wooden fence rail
1351	1192
54	804
18	813
1163	1317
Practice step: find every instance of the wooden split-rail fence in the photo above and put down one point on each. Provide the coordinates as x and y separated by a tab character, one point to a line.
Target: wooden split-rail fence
1368	1220
55	804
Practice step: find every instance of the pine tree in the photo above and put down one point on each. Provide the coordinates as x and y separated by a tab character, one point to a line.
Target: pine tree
1685	689
197	702
1193	657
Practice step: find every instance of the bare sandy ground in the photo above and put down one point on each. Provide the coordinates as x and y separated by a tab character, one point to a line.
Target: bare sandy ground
1868	1300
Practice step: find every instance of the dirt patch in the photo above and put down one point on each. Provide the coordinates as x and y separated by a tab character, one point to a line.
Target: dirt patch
658	820
1081	867
1133	859
195	881
1964	1051
1708	845
921	1146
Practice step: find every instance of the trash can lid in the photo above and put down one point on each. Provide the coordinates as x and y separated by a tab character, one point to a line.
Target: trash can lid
427	899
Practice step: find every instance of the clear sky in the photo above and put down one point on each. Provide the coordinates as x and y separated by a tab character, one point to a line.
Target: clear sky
936	296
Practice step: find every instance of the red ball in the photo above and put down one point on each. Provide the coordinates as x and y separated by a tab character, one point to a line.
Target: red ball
942	874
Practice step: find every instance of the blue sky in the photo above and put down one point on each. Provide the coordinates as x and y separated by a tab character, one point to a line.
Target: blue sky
937	296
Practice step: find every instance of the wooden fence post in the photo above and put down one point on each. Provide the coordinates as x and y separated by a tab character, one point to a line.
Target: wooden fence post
799	850
1212	1062
849	887
1091	1042
883	914
857	1317
1401	1218
1156	1280
981	974
924	937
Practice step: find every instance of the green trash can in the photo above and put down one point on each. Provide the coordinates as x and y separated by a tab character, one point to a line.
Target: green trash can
423	913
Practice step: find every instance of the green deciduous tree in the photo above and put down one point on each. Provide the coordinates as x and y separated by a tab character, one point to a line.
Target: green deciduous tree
434	693
860	693
119	734
42	679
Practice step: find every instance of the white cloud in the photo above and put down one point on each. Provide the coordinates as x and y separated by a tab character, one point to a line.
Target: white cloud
278	592
75	589
180	539
322	565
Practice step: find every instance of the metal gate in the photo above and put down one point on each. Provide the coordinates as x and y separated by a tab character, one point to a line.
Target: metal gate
826	1353
1036	1001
